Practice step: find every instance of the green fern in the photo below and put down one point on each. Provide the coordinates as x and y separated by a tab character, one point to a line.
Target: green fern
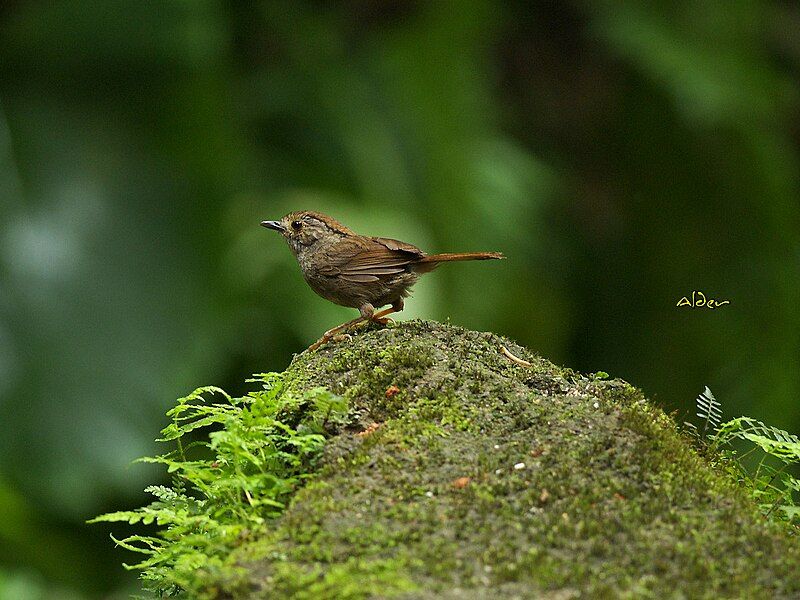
709	410
775	490
260	449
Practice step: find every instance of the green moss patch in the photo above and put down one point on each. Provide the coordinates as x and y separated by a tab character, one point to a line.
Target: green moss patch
461	474
489	478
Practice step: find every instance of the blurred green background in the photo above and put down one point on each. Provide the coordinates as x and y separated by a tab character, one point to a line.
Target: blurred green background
622	154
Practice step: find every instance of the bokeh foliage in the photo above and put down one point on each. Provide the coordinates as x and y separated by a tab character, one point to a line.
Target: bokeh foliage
621	154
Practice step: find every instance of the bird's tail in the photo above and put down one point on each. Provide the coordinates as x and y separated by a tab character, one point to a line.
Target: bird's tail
431	262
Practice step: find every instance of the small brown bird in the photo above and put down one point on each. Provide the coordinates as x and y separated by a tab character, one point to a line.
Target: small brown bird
354	270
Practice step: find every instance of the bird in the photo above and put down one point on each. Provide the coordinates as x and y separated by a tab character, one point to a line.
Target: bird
358	271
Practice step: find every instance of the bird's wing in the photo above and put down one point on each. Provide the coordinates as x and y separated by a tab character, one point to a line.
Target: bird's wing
375	258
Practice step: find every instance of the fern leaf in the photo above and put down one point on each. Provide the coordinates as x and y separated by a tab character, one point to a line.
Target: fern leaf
233	479
709	409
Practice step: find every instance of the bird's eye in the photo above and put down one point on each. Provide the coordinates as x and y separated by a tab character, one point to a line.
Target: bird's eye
296	225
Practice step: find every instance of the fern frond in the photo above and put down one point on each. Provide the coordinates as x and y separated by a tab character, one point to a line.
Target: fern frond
709	410
198	395
775	490
261	451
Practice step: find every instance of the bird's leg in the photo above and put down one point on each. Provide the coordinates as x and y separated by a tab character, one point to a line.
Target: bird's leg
367	311
380	317
332	332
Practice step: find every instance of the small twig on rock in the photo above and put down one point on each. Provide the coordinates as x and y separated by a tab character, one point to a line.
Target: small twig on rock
513	358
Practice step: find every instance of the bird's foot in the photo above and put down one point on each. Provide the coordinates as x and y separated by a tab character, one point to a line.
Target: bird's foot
318	343
381	318
336	337
337	333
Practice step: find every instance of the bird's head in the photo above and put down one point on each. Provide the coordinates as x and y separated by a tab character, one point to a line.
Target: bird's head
304	229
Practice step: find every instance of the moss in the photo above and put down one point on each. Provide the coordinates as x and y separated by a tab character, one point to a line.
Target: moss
489	478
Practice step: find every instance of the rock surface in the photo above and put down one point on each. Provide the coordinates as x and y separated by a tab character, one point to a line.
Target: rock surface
467	475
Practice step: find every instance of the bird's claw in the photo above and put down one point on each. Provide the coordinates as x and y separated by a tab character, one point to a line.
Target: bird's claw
339	334
334	337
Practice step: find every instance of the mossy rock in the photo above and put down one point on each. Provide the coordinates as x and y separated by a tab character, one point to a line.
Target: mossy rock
466	475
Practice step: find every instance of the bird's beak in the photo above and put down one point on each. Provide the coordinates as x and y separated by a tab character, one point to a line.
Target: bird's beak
276	225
